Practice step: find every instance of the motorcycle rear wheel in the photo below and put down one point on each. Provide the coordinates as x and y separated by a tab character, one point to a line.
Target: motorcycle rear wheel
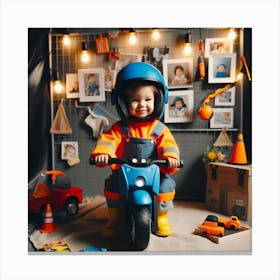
140	227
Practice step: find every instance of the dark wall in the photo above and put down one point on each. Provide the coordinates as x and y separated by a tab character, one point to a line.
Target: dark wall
247	108
38	102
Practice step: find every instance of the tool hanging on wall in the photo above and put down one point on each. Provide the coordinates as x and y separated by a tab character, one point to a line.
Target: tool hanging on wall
201	68
60	123
96	122
200	61
102	45
243	59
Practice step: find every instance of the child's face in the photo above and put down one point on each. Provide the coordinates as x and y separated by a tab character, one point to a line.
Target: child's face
179	104
70	152
141	102
91	79
179	72
221	68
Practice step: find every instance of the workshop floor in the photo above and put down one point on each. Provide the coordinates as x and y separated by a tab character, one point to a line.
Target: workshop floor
84	231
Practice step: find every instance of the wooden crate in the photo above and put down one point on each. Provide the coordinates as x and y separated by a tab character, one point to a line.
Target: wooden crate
229	189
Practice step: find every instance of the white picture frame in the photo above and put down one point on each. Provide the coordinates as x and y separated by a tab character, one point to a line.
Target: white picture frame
171	66
109	79
69	150
218	45
222	118
226	98
222	68
183	113
91	83
72	85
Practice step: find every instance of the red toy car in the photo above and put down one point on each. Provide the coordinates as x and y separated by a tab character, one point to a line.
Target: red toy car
61	195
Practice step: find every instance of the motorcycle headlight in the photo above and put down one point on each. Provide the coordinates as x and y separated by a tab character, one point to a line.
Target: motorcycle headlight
140	182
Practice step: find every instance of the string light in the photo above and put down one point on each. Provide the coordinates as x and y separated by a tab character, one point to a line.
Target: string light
66	40
132	37
188	43
156	34
231	34
84	55
57	84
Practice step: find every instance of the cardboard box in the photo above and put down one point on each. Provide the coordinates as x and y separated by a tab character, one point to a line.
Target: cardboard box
229	189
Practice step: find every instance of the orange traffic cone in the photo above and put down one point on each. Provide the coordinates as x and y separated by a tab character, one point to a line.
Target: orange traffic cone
48	225
238	155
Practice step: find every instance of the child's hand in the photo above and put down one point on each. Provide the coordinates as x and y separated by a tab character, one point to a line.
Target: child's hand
101	159
173	163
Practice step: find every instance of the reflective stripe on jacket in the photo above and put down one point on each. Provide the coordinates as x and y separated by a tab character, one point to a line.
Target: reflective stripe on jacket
112	141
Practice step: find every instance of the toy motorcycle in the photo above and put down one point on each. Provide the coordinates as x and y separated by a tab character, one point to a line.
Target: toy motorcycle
139	182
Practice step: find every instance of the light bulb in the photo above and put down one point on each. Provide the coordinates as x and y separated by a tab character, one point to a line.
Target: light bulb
132	38
66	40
188	48
57	86
231	34
156	35
84	57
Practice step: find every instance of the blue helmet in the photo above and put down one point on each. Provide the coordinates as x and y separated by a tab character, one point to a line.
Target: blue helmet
139	73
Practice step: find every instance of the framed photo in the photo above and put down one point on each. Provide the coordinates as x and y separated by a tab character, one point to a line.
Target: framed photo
69	150
126	58
222	68
222	118
179	108
91	82
218	45
178	73
72	85
226	98
109	79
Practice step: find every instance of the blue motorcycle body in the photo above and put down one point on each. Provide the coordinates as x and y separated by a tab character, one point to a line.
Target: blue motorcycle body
139	184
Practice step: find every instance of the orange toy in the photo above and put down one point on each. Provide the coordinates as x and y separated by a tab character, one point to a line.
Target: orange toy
54	174
232	223
212	228
48	225
238	155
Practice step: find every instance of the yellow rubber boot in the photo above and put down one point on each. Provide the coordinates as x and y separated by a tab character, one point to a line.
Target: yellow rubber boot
164	228
113	226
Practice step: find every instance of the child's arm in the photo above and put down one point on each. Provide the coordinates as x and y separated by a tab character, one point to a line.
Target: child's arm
107	145
167	148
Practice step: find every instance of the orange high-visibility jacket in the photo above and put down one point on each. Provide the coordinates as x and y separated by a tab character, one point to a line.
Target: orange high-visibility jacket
112	141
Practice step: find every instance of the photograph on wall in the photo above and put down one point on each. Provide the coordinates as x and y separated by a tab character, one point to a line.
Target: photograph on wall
222	68
179	108
91	82
127	58
226	98
222	118
69	150
72	85
155	56
109	79
178	72
218	45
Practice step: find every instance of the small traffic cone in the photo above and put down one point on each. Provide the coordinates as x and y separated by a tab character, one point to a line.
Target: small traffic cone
238	155
48	225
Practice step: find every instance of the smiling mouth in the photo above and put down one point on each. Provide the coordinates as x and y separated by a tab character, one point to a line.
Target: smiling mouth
141	111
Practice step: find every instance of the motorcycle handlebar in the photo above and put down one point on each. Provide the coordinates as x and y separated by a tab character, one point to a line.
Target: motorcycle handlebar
159	162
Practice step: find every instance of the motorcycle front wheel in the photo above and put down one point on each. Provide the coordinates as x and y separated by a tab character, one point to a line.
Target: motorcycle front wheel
140	227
